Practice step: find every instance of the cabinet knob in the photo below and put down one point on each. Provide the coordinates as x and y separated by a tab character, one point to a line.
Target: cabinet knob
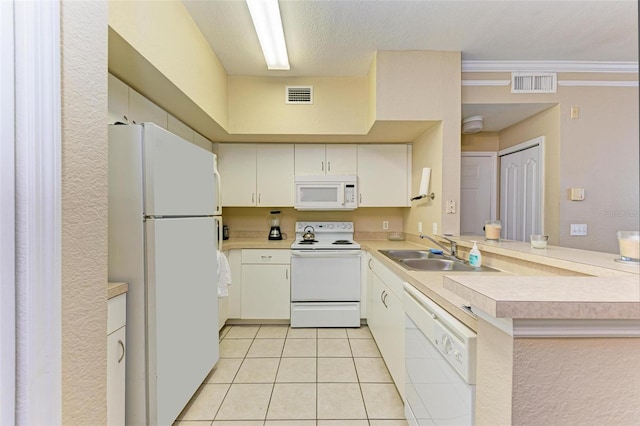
322	165
121	343
328	166
253	197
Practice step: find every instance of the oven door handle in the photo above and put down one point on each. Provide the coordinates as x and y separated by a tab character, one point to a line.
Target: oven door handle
325	253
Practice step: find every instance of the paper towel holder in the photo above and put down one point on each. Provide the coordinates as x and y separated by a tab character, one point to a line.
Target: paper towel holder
418	197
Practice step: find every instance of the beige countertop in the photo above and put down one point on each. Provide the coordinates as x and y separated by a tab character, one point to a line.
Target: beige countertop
580	261
610	291
116	289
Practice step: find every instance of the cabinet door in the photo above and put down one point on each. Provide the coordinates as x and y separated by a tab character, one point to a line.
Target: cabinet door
383	175
275	175
142	110
178	128
116	367
202	142
265	292
342	159
237	164
309	159
394	335
118	95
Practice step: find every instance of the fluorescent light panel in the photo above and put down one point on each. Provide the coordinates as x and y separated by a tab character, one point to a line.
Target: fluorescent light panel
268	24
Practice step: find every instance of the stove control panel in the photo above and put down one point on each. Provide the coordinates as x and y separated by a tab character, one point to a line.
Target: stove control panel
321	227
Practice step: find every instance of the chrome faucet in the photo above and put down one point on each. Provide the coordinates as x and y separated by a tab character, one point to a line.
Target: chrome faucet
451	251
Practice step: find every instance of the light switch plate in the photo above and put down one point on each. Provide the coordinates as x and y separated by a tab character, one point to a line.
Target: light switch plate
578	229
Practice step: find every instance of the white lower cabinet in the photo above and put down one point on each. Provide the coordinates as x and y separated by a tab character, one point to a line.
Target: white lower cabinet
385	317
265	288
116	359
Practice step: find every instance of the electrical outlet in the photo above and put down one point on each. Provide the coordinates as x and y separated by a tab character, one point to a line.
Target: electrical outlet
451	206
385	224
578	229
419	226
434	228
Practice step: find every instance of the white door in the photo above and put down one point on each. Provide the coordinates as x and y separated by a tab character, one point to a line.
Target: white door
521	193
342	159
477	191
383	175
274	167
179	176
237	164
310	159
182	312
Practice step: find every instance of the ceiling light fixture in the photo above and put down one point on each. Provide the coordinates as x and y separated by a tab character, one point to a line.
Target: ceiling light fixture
471	125
268	24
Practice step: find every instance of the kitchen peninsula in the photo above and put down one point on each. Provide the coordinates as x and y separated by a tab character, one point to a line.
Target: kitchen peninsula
555	349
558	329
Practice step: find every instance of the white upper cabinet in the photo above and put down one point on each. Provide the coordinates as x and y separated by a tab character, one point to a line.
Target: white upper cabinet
237	165
142	110
384	175
178	128
320	159
118	94
256	175
275	175
202	142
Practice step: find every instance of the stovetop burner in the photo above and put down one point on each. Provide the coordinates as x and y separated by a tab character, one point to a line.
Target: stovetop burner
307	241
342	242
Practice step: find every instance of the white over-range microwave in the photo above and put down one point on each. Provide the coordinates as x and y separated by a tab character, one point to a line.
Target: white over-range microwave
326	192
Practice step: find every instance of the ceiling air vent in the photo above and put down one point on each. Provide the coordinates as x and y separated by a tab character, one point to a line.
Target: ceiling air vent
299	95
533	82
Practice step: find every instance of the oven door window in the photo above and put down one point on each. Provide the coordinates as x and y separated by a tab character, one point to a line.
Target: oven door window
318	278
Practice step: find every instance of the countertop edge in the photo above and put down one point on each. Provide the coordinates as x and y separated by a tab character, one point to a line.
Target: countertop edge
115	289
497	298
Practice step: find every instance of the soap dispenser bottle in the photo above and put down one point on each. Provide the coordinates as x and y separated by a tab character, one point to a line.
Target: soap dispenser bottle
475	257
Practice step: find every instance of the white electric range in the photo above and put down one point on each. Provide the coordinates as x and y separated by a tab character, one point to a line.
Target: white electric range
325	276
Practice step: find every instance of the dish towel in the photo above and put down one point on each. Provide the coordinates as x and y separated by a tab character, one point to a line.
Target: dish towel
224	275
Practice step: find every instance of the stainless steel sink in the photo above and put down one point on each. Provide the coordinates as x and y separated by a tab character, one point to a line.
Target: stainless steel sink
422	260
406	254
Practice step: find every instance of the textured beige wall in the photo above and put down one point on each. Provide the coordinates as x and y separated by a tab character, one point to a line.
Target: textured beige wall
494	376
257	106
597	151
254	219
481	142
427	152
84	212
164	34
599	381
426	85
547	124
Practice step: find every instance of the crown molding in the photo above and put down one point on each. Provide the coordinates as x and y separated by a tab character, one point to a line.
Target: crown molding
550	66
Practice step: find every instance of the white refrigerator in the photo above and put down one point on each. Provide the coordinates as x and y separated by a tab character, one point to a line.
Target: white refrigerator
164	212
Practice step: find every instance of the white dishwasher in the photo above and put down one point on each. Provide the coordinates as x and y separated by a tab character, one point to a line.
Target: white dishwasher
440	364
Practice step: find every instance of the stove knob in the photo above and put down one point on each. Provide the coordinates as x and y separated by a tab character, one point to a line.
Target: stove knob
330	226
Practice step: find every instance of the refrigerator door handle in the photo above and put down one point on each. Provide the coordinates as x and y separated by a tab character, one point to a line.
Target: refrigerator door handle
218	193
218	220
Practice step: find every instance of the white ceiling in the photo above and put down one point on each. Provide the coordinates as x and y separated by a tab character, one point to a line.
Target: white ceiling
339	37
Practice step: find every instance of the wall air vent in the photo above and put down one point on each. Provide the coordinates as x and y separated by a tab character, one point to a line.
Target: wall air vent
534	82
302	95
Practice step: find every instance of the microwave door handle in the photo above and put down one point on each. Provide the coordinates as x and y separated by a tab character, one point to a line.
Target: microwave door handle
342	190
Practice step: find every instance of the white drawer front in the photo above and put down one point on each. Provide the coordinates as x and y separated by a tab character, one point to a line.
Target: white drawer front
116	312
266	256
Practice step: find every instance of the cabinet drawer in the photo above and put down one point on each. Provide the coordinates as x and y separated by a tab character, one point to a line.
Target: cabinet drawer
266	256
116	312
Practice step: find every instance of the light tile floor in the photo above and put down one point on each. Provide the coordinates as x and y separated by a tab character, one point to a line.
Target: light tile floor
274	375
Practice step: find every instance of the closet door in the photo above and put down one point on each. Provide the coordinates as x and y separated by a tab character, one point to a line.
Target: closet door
521	194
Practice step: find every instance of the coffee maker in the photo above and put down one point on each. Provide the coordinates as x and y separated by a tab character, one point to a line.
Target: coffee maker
274	221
